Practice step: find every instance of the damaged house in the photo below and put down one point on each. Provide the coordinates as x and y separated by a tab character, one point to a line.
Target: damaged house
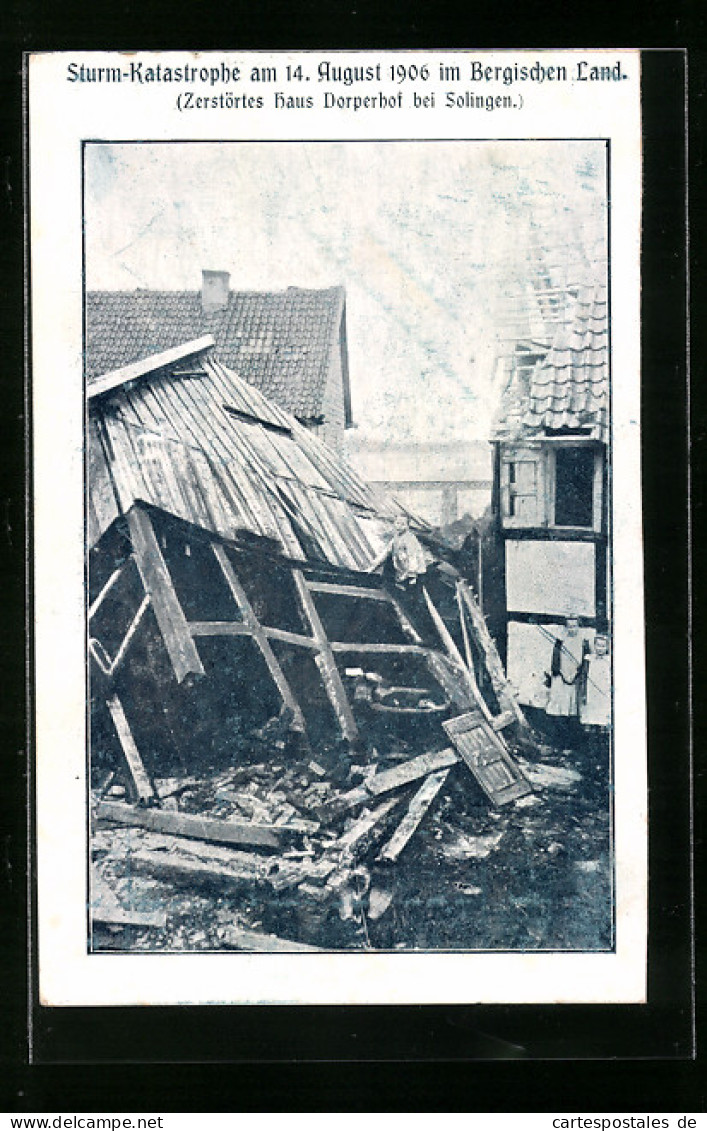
290	344
551	489
236	628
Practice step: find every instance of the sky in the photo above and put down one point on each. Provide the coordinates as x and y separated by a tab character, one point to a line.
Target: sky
428	238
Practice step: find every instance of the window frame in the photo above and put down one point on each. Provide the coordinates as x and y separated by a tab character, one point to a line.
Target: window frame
543	453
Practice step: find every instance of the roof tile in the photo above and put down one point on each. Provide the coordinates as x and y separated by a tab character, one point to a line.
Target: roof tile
281	342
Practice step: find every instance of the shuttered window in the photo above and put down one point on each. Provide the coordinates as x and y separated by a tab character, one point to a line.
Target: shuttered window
521	491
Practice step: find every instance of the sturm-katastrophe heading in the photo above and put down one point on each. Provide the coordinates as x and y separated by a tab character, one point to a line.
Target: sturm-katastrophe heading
472	70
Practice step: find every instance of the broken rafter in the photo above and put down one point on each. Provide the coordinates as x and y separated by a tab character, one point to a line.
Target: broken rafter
499	681
412	819
259	636
116	574
325	660
363	827
348	591
96	648
379	649
138	773
158	585
455	656
190	826
402	775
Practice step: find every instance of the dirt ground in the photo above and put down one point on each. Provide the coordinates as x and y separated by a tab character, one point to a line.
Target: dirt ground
536	874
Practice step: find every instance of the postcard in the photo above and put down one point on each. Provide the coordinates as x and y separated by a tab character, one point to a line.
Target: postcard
335	381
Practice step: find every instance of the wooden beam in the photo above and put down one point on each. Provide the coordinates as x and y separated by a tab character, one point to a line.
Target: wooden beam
407	626
219	628
259	636
325	660
134	625
412	819
95	605
187	825
362	828
294	638
158	584
455	656
379	649
504	693
344	590
396	778
138	773
191	869
98	651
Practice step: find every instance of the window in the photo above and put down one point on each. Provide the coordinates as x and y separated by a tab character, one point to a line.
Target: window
558	486
574	486
520	483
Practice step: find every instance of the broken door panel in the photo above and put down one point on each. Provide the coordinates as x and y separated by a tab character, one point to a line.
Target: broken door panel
495	770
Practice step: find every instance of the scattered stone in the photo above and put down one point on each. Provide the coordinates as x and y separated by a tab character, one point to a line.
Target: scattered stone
476	847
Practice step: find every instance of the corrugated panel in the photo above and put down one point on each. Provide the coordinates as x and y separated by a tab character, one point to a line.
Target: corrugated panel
172	444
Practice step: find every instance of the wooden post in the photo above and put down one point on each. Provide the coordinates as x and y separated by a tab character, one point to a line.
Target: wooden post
412	819
455	656
138	773
259	637
325	661
506	697
158	585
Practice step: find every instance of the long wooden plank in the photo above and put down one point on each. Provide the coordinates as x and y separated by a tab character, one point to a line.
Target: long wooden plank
413	818
259	636
362	827
455	655
325	660
138	773
349	591
504	693
158	584
379	649
286	637
191	869
117	377
95	605
188	825
219	628
402	775
129	635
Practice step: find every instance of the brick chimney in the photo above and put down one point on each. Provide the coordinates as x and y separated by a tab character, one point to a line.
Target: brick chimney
214	290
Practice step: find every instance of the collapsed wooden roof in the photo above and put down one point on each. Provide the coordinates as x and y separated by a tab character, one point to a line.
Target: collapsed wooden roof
182	432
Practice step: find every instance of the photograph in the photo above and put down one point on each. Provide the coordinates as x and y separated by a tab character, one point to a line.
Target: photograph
348	546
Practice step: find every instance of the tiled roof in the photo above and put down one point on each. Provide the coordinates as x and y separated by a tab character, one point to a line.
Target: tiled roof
569	388
282	342
197	442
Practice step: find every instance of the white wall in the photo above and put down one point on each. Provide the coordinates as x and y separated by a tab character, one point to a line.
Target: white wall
529	656
551	577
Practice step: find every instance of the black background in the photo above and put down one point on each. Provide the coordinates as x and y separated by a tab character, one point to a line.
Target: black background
565	1058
